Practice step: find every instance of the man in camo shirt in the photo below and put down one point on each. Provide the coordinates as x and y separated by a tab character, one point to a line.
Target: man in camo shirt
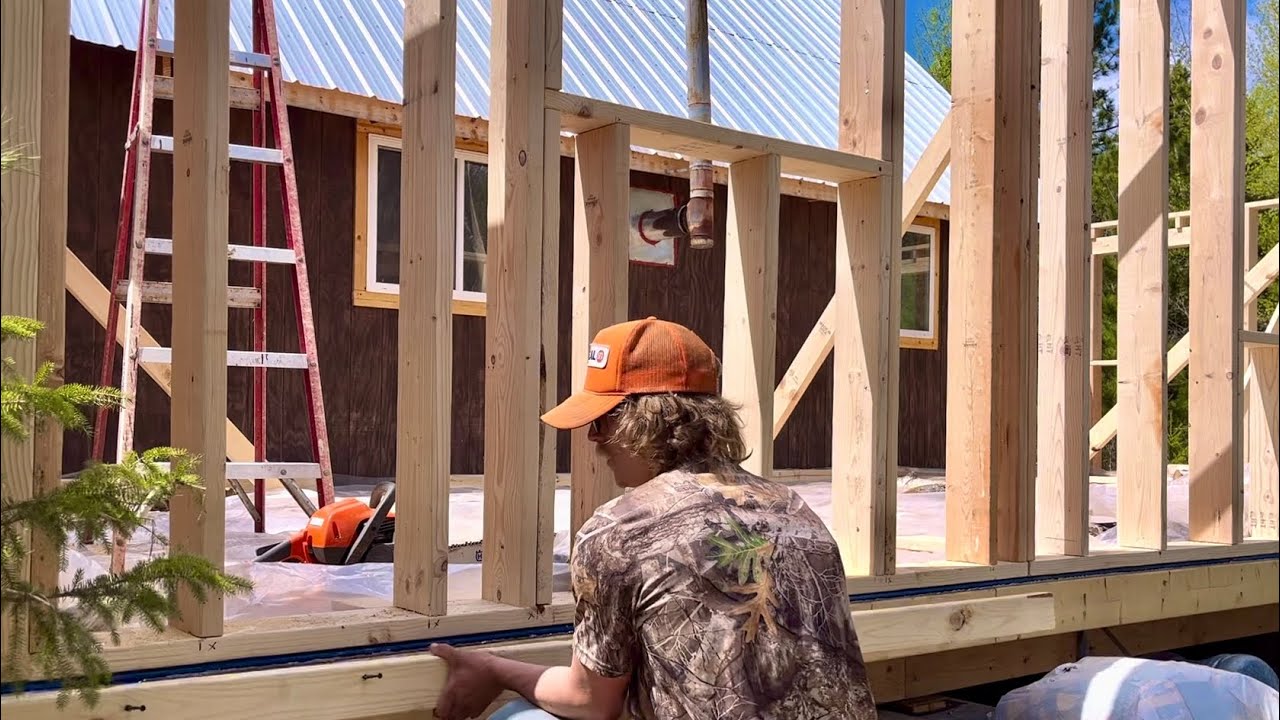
703	591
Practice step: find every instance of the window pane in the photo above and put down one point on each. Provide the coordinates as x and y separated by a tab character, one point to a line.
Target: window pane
916	273
475	225
387	269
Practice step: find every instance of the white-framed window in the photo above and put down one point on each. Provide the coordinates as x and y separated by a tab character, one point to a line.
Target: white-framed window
380	187
919	287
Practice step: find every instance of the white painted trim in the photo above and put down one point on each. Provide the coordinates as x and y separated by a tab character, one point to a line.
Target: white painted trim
372	284
933	273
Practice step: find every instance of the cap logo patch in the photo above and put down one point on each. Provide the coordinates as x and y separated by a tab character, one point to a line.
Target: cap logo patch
597	355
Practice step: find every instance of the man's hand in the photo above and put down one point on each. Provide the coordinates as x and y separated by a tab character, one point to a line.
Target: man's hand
471	685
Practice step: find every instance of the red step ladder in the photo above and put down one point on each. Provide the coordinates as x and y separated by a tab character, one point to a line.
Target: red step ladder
133	245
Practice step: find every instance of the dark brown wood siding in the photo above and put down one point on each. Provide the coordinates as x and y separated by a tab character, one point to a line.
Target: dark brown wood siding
357	345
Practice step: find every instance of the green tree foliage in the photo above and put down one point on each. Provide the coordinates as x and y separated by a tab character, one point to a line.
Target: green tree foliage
1262	131
1262	166
61	624
935	42
104	498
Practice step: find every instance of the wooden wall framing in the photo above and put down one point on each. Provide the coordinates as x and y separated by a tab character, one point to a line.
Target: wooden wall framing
1215	449
35	67
995	249
987	385
1145	607
1062	489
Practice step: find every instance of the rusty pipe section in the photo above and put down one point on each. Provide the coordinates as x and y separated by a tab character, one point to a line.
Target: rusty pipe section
699	213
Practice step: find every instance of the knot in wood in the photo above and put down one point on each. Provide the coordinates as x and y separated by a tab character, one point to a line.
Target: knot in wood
961	617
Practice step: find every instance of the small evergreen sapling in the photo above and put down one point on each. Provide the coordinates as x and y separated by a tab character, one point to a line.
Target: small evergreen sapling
59	624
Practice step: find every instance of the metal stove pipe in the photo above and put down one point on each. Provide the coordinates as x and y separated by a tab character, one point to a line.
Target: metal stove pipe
699	212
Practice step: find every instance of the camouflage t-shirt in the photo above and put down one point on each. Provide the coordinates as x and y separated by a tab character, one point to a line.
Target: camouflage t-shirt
724	597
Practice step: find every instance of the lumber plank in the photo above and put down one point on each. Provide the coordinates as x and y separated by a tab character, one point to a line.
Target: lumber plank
413	682
1085	605
987	260
473	132
601	234
863	507
424	404
1016	509
1141	371
906	631
1062	487
50	345
548	381
20	98
750	302
514	366
1174	238
817	344
692	138
804	367
553	62
1097	279
868	265
200	175
1214	406
1263	500
1249	256
927	171
1256	280
142	648
1258	338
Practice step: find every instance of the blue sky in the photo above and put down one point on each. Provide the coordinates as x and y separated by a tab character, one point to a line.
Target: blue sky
914	20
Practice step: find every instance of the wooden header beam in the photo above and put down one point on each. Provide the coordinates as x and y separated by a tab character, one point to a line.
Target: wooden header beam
713	142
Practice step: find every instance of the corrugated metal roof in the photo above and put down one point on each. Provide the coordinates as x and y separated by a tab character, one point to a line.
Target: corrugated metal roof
774	65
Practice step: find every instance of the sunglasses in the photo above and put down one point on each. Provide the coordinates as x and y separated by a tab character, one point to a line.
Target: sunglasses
597	425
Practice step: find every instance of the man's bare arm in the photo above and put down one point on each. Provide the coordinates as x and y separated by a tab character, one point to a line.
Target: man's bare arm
573	693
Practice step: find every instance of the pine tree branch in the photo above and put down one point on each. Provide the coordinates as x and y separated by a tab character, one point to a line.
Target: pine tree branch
52	627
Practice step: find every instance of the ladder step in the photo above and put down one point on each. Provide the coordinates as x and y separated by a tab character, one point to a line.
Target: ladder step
164	46
247	253
272	470
235	358
267	470
161	293
242	98
242	153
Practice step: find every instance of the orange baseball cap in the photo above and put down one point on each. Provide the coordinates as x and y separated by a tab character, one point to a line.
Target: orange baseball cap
638	356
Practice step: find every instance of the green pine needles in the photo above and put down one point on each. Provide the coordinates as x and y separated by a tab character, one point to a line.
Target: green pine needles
62	626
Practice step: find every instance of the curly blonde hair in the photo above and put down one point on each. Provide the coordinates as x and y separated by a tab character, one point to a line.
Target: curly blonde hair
694	432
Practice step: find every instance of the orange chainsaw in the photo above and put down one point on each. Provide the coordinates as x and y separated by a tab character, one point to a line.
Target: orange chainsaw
344	532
